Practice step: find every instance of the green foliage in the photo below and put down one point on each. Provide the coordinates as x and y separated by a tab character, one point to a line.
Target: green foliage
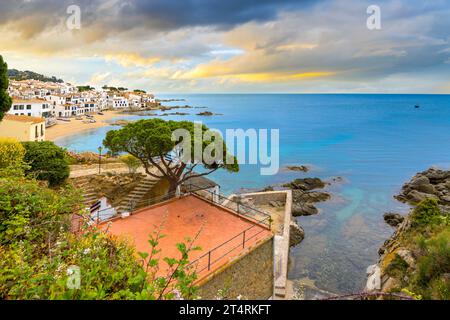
11	154
47	162
131	162
397	268
426	212
5	99
28	210
147	139
432	278
85	88
30	75
139	91
37	250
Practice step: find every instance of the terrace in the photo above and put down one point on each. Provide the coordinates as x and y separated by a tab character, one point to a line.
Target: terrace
223	234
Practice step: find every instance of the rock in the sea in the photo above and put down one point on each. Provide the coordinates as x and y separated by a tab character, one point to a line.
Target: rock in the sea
205	113
306	184
415	196
393	219
419	180
297	234
298	168
313	197
303	209
436	175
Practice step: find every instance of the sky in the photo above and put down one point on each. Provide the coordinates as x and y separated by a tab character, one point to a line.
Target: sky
233	46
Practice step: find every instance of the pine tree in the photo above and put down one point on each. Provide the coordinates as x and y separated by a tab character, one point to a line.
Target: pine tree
5	99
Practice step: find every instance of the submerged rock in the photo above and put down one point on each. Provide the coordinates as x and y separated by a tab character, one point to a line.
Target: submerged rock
298	168
306	184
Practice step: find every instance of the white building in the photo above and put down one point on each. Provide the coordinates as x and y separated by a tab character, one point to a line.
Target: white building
32	108
119	102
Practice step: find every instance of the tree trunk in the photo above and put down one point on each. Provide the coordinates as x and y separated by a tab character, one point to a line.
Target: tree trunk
173	184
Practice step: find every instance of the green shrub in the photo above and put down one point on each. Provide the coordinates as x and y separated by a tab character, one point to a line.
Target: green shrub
37	251
433	267
427	212
47	162
397	268
11	154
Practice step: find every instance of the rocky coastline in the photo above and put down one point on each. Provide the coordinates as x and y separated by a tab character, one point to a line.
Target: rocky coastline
397	268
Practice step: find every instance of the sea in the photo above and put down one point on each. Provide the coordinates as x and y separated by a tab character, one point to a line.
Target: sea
367	144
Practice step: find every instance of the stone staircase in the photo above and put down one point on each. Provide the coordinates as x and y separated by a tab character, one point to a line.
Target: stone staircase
89	196
136	198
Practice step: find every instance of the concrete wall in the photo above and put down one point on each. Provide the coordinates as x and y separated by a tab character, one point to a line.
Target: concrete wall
281	239
249	276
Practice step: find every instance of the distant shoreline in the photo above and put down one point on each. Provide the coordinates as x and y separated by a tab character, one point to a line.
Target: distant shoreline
63	129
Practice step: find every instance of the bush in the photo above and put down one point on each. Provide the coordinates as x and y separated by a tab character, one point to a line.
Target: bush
47	162
132	162
28	210
426	212
11	154
433	267
38	252
397	268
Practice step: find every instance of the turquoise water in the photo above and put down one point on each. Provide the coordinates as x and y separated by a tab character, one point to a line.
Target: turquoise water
375	142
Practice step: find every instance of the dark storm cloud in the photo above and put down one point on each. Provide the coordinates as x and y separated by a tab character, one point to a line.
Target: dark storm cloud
156	15
222	13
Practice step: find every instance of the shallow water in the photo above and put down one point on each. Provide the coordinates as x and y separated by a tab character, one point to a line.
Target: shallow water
376	142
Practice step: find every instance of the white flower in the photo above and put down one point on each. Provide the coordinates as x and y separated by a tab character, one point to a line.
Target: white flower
86	251
69	271
239	297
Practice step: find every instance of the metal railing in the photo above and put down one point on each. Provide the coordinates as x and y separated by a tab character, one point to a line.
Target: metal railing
207	260
236	206
242	240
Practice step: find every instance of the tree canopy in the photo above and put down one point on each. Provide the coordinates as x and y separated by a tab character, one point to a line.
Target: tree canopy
5	99
47	162
151	141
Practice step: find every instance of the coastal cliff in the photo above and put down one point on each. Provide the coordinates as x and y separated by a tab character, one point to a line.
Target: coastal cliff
415	261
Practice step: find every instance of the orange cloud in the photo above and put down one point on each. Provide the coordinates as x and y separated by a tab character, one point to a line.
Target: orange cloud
132	59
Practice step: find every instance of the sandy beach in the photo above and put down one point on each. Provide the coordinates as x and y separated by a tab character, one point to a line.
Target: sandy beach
74	126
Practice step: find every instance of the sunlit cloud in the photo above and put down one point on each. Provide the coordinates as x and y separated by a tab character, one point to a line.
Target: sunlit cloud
231	46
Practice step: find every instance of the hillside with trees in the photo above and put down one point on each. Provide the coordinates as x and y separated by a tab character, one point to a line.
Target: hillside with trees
15	74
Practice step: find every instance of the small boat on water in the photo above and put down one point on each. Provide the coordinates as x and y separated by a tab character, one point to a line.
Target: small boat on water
100	113
89	116
78	118
63	119
417	106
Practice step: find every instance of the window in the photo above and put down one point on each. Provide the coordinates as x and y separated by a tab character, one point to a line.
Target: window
29	114
28	106
36	133
42	129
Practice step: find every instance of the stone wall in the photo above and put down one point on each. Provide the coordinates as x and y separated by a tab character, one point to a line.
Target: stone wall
249	276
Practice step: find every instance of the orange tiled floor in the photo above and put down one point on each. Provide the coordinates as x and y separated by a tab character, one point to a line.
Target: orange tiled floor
185	217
